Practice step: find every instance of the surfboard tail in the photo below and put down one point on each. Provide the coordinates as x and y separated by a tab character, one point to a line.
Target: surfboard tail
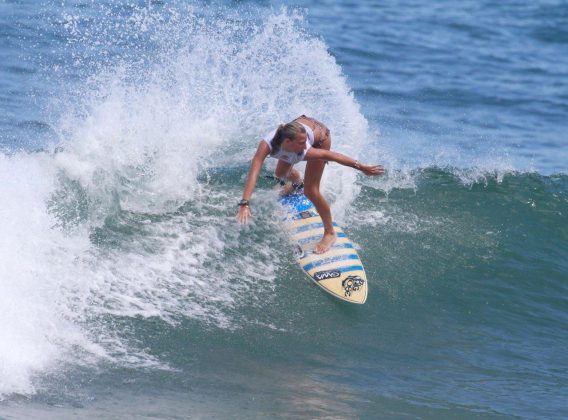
339	271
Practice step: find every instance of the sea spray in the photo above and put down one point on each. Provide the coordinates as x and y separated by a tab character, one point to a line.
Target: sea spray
124	219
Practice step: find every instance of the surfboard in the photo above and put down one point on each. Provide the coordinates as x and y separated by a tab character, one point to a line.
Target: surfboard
338	271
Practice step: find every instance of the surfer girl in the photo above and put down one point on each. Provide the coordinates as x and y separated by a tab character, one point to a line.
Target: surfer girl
307	139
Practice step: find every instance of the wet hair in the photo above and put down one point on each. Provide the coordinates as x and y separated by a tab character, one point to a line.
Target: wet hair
285	131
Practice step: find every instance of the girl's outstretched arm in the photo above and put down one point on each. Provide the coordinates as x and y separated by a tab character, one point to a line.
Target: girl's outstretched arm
322	154
262	151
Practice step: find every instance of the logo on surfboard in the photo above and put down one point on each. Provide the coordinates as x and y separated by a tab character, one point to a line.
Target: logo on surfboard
306	214
352	284
328	274
298	252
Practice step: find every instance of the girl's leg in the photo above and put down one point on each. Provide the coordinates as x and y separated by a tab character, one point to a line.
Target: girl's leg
312	178
285	170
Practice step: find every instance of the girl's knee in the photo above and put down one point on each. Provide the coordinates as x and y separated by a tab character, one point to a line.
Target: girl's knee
282	172
282	169
311	192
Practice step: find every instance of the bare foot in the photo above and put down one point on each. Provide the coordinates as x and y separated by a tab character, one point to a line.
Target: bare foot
326	242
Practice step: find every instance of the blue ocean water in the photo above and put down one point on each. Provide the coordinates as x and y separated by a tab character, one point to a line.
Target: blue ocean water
128	290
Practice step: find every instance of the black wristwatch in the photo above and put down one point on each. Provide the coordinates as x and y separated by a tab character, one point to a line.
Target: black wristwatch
243	202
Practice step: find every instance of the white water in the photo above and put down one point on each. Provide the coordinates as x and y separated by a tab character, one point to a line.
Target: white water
36	324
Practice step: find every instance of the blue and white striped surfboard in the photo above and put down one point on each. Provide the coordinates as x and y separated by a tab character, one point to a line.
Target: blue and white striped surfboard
338	271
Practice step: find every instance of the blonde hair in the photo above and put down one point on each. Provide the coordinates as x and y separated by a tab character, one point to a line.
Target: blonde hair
285	131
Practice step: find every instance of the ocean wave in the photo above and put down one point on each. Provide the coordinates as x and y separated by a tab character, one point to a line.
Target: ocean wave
116	222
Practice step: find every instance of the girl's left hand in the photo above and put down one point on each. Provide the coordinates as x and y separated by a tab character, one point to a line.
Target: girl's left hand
372	170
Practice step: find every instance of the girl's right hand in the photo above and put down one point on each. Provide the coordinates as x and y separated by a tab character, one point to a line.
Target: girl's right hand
244	214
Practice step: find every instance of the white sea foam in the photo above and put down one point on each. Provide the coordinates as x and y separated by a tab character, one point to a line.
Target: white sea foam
36	325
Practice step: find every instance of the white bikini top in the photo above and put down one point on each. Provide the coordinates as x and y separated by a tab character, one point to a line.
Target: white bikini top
290	157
